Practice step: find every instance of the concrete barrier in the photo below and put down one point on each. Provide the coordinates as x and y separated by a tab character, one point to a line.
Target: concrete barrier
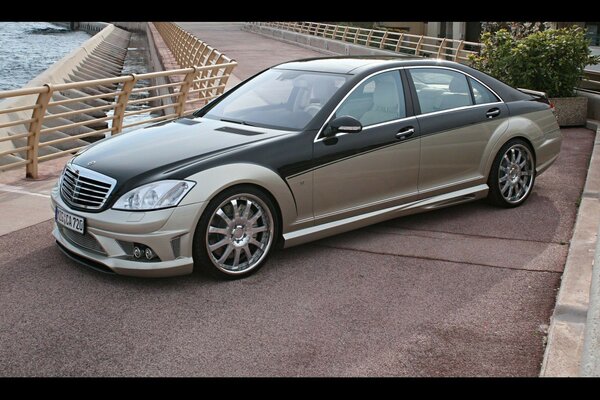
156	63
90	27
100	56
590	363
139	27
593	111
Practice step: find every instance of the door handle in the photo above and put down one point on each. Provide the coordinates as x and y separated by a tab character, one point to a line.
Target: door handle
492	112
405	133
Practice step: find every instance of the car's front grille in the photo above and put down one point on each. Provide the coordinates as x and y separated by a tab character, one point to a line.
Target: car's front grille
84	188
85	241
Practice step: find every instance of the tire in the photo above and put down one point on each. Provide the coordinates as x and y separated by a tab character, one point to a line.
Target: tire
512	175
236	233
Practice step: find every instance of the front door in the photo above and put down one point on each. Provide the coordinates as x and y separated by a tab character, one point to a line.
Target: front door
372	169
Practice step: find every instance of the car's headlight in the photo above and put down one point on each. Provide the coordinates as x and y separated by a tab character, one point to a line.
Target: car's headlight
161	194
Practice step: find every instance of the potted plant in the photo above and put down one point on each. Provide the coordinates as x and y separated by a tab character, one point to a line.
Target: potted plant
550	60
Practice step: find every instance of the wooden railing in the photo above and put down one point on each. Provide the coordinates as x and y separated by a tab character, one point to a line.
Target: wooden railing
187	48
46	122
30	133
399	42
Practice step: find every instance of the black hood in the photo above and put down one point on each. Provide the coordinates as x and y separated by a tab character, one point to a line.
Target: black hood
166	147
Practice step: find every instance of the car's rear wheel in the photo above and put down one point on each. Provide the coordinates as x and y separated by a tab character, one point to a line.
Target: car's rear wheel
513	174
236	233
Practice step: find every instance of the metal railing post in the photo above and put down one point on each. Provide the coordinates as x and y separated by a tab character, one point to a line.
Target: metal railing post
184	91
227	73
419	44
33	141
382	44
399	43
121	105
439	53
461	45
369	36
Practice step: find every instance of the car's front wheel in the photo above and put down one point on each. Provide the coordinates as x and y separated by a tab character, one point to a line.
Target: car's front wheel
513	174
236	233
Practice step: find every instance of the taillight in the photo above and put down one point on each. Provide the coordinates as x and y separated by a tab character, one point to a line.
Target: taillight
552	108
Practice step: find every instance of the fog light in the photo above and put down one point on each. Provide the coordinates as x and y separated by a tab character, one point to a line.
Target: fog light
137	252
149	253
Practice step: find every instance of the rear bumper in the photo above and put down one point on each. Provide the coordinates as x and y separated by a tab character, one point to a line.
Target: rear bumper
109	237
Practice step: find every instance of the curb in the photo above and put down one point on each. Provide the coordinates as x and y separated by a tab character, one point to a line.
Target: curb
565	351
590	362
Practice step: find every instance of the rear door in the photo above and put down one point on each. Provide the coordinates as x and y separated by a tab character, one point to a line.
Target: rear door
457	117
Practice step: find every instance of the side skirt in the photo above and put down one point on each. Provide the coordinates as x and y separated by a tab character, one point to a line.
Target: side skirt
347	224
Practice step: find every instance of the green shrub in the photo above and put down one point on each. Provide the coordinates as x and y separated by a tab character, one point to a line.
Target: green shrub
551	61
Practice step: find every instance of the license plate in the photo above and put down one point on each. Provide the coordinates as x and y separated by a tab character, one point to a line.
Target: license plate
69	221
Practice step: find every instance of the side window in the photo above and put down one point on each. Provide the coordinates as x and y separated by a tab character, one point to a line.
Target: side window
440	89
481	94
378	99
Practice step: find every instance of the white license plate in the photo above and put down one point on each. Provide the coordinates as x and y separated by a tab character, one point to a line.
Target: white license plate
70	221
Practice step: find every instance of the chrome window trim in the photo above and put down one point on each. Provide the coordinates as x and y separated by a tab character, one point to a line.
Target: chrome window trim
458	109
501	101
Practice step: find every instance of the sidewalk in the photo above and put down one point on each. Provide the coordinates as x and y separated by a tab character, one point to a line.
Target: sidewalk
26	202
253	52
576	317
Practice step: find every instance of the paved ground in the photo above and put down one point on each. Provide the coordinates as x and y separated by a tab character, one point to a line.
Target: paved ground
463	291
253	55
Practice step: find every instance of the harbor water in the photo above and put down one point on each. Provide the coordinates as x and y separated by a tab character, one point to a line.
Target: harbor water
29	48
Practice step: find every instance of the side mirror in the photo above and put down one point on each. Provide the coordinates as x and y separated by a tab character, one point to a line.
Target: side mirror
343	124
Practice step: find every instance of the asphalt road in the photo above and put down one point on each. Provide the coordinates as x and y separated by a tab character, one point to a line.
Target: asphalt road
461	291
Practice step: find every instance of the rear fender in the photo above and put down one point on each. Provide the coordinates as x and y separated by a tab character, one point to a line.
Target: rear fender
531	127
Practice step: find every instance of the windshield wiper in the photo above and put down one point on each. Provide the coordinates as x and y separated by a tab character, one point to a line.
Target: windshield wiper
235	121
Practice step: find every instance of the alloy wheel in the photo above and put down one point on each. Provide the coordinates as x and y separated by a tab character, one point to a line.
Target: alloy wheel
239	233
515	173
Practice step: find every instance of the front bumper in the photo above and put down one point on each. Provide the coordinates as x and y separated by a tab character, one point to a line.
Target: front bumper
110	235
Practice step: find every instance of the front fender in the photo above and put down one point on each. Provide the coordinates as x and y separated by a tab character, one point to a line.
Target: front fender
213	181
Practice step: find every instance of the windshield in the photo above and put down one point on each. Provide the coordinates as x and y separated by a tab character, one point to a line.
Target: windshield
278	98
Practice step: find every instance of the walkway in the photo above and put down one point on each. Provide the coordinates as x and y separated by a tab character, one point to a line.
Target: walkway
253	52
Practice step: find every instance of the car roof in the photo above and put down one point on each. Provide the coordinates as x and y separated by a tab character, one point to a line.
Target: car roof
357	64
364	65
